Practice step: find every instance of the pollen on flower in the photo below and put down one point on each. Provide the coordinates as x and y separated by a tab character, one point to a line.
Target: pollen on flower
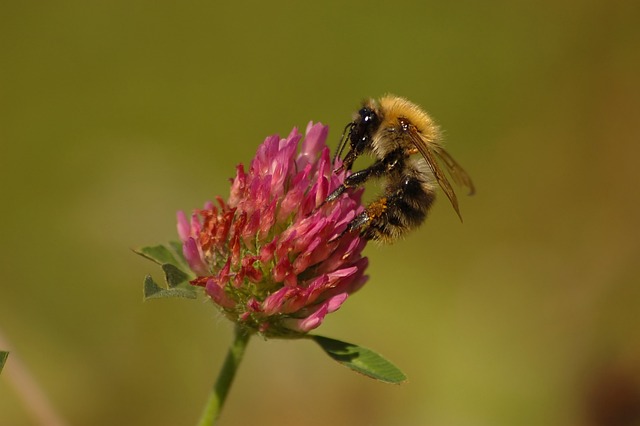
273	257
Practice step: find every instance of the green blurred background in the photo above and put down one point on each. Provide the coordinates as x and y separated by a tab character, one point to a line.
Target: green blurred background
114	114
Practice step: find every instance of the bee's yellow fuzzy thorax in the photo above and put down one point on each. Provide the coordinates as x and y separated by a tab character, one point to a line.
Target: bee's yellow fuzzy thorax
394	107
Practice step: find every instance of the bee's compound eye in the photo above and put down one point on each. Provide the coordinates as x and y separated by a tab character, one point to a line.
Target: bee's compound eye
367	114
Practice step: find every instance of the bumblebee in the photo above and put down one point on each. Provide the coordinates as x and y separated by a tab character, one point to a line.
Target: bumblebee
393	130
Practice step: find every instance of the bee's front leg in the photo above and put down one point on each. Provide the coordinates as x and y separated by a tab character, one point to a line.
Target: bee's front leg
363	220
356	179
353	180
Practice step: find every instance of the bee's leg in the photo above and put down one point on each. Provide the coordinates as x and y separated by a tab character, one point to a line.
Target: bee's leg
363	220
369	216
353	180
356	179
392	215
357	222
349	159
390	162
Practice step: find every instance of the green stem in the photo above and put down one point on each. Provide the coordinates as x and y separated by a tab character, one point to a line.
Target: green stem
225	378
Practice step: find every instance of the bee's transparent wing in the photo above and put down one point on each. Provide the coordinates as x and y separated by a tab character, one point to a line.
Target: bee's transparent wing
455	170
442	180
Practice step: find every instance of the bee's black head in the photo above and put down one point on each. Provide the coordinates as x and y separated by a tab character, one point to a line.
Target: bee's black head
359	133
363	128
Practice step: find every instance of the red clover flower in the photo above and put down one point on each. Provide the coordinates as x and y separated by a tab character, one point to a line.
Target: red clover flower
272	257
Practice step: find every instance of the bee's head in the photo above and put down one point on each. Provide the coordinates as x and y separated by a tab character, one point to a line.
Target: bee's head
365	124
359	133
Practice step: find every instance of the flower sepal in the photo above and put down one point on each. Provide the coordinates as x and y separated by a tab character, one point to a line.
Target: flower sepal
176	273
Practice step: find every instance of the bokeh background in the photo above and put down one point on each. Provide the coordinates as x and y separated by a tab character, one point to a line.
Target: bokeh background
115	114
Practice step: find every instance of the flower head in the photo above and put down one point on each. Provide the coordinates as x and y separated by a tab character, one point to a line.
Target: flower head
272	256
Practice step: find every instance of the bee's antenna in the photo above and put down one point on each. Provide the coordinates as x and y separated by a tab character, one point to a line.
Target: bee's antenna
343	141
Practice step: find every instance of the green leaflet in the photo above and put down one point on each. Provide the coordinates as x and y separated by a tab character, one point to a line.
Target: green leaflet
361	360
176	274
162	254
3	359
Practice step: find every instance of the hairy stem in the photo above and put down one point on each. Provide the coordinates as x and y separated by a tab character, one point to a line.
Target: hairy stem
225	378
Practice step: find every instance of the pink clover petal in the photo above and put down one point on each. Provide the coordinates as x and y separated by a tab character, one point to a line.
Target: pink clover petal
315	319
224	274
238	278
301	263
291	142
321	252
357	284
196	227
267	250
268	219
323	183
285	245
192	255
238	186
336	302
316	134
293	198
291	279
313	254
295	300
252	226
217	293
342	273
360	279
307	236
253	305
274	301
282	269
313	143
340	256
184	229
